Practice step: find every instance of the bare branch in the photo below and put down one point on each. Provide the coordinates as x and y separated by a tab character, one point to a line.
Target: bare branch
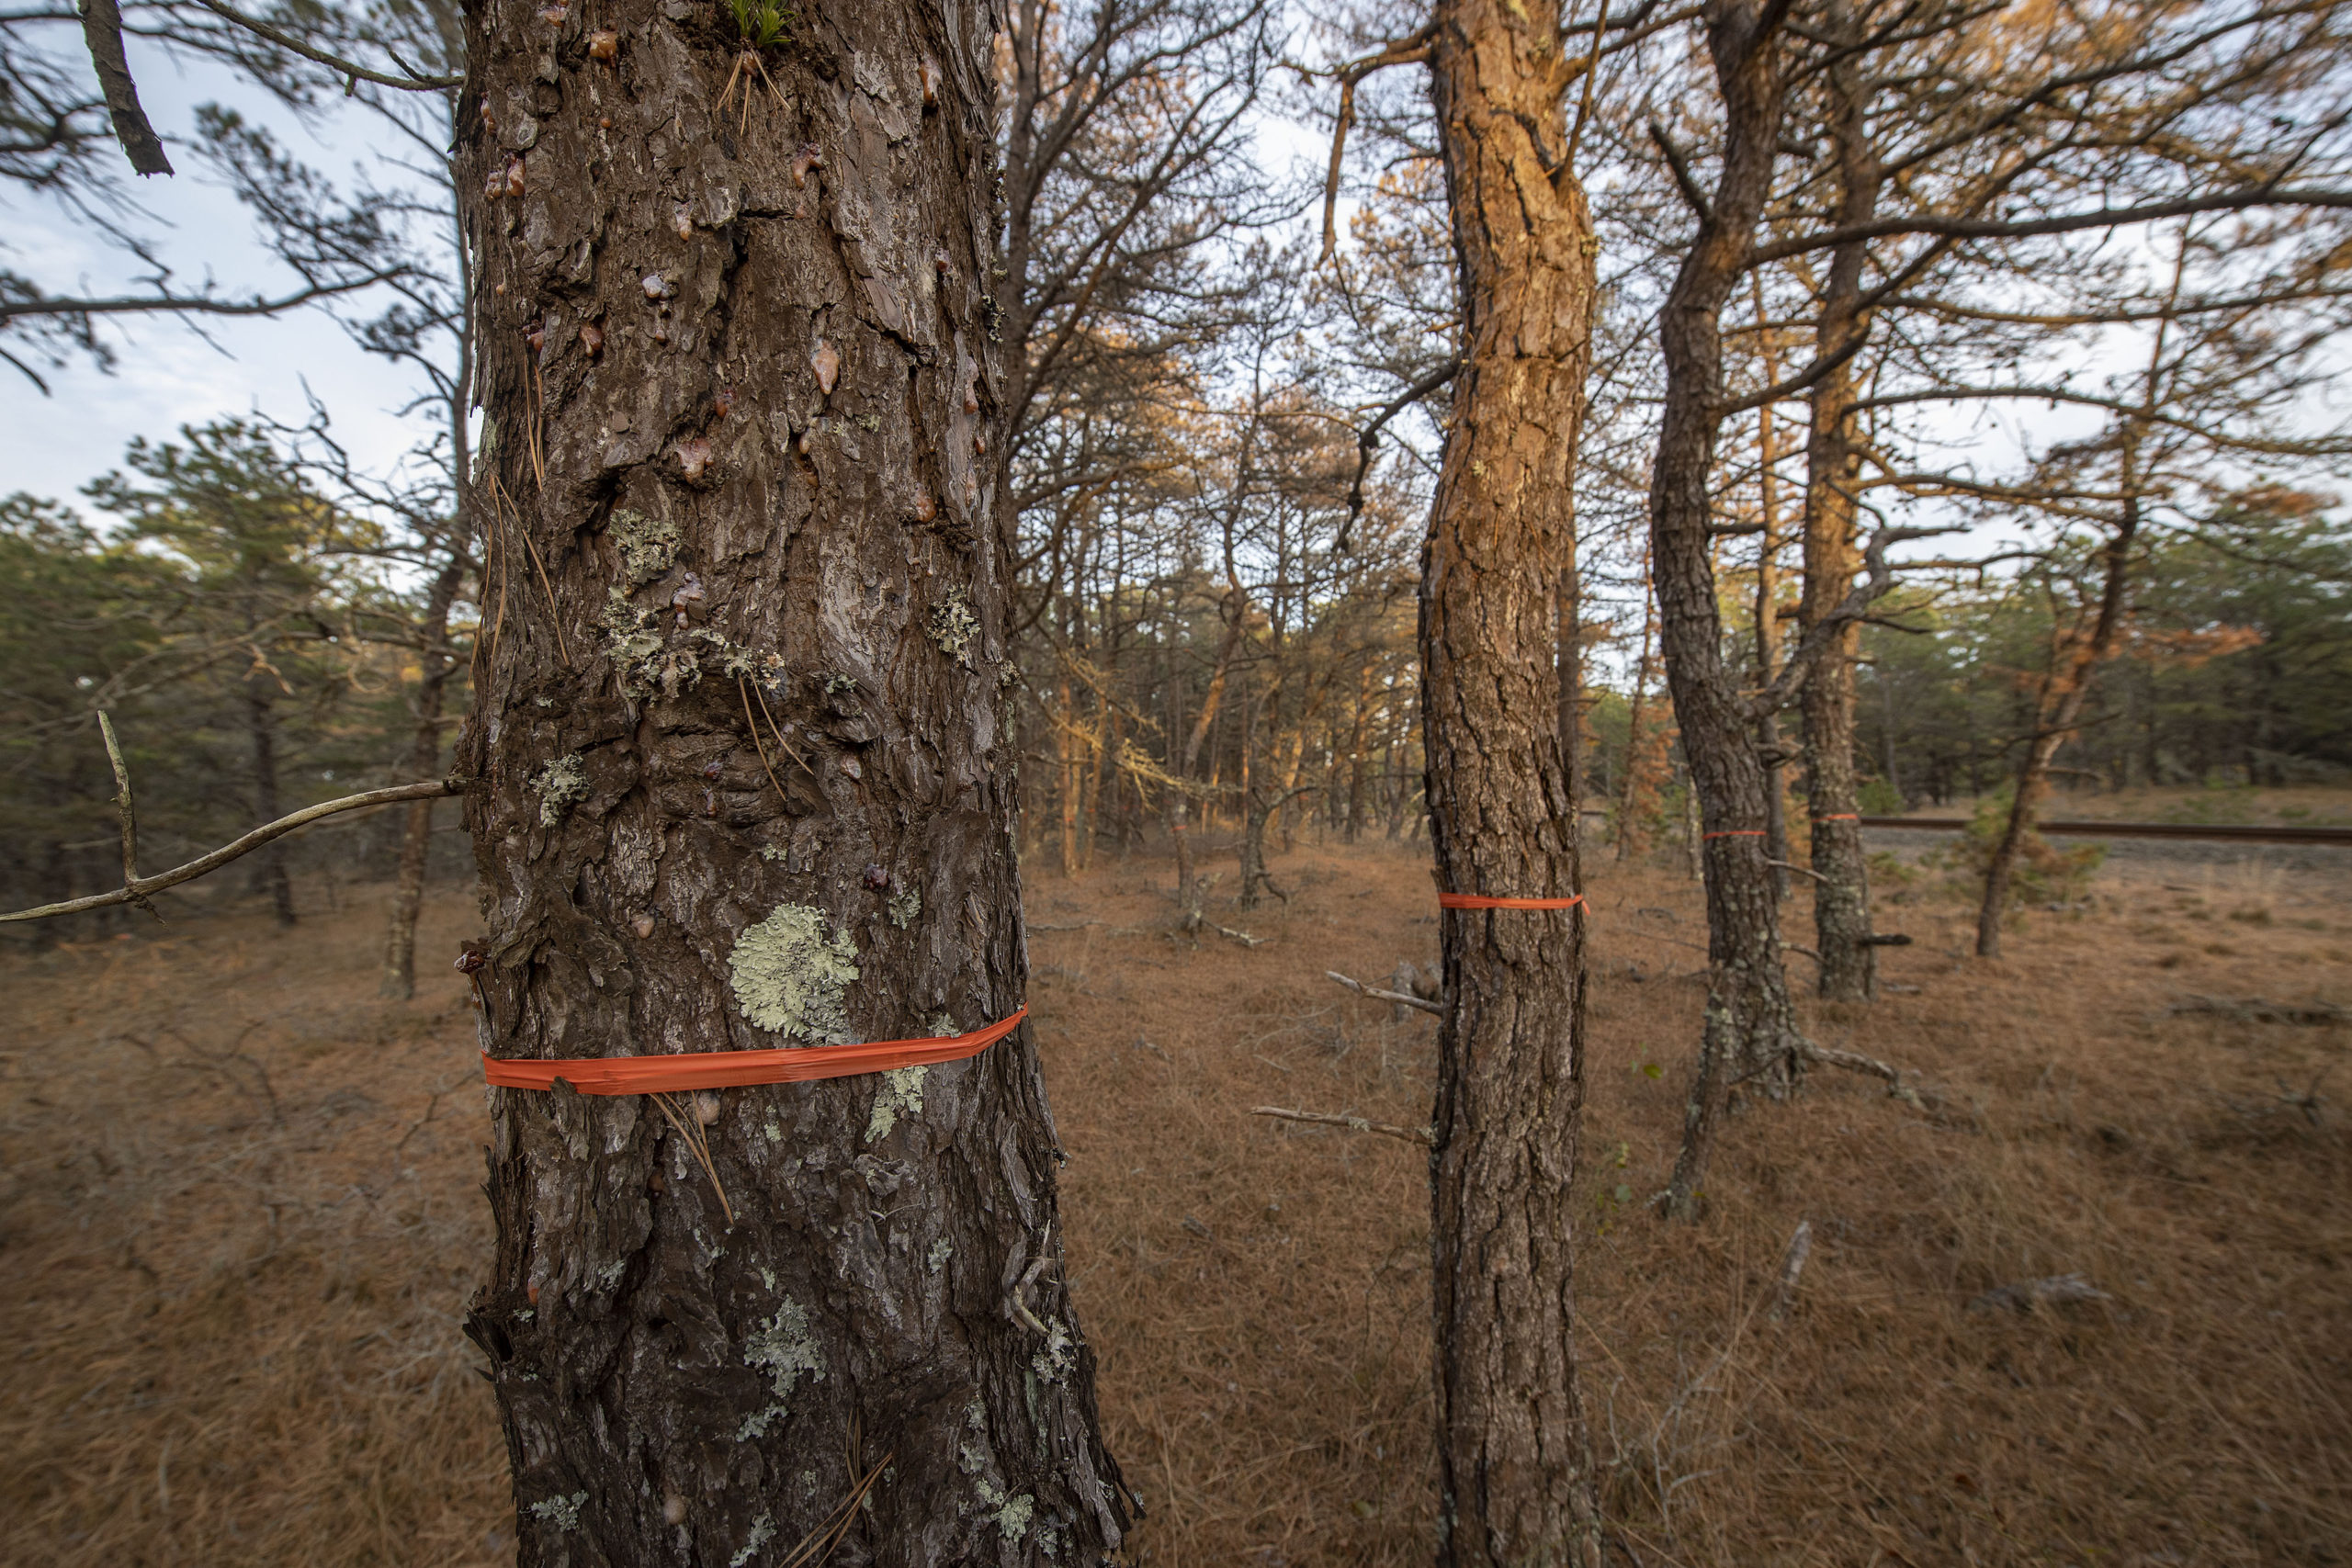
102	30
1421	1135
1404	52
2062	223
347	69
1401	998
138	890
1368	440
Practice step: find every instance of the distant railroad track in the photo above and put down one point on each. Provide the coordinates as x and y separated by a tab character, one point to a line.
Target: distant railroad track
2138	831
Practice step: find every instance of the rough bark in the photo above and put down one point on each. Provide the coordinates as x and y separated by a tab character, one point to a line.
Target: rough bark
1841	900
399	981
762	478
1514	1460
1749	1030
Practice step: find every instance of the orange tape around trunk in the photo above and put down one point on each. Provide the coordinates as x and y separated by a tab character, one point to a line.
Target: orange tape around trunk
739	1070
1480	901
1841	817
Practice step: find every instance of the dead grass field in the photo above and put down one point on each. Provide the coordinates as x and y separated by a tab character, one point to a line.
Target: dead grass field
239	1218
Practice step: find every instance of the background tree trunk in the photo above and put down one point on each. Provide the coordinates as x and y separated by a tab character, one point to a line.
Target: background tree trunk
260	730
762	478
1841	899
1514	1460
2058	709
399	981
1749	1030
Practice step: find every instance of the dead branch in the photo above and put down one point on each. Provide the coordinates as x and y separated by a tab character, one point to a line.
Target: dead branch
1352	1123
140	889
102	31
1402	51
2027	1294
1244	938
2254	1009
1400	998
125	811
1854	1061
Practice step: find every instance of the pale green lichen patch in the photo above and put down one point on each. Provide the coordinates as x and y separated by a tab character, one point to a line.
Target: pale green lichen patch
790	976
631	643
762	1532
648	548
941	1251
1060	1353
784	1348
562	784
898	1094
1011	1514
904	906
953	626
562	1513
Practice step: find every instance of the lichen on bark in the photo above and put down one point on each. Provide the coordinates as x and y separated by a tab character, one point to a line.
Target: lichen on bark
790	976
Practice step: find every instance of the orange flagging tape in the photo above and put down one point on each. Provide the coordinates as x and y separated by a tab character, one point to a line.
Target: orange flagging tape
1735	833
1480	901
739	1070
1841	817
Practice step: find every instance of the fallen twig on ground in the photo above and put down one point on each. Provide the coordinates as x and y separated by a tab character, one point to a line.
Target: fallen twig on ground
2027	1294
1400	998
2254	1010
1352	1123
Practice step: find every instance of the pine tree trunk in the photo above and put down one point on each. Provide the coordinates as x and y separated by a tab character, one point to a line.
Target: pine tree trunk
2058	709
399	981
1514	1460
261	732
1634	799
1749	1033
1841	899
762	478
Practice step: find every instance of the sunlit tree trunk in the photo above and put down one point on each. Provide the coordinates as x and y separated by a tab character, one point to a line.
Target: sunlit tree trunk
1841	902
1514	1460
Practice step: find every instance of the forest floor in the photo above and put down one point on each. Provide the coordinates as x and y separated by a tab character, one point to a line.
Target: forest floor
240	1216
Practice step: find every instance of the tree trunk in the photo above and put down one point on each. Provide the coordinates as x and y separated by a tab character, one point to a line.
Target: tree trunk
261	729
2057	712
1066	790
1634	798
1749	1030
1841	899
399	981
760	481
1514	1460
1768	588
1188	886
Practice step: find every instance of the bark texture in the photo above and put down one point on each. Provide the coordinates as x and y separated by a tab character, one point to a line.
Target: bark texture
738	369
1749	1030
1841	901
1514	1460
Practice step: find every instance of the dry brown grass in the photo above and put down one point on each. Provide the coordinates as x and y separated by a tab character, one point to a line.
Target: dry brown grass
236	1330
